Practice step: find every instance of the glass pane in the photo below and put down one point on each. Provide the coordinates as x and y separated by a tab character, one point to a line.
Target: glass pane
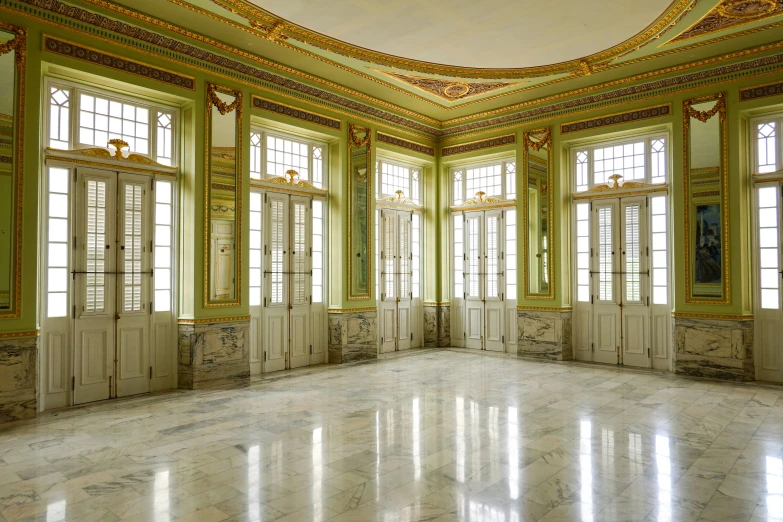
770	298
57	305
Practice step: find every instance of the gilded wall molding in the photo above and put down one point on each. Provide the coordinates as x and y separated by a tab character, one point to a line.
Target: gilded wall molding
19	335
479	145
713	316
616	119
351	310
537	140
214	320
543	309
405	144
731	13
18	44
294	112
761	91
111	61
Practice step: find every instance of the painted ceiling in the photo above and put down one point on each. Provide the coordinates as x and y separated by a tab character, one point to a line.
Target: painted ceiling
446	60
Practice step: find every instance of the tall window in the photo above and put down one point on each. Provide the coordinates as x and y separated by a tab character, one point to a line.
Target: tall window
318	250
496	179
255	249
416	255
769	258
398	176
583	252
162	253
640	159
511	255
660	256
149	130
768	141
57	243
272	155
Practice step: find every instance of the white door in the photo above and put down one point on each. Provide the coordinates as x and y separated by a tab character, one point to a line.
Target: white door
111	286
287	318
484	281
613	311
768	316
397	321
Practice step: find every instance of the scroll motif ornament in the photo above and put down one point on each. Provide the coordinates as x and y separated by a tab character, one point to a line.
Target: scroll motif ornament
399	198
538	139
482	199
223	107
353	131
292	174
704	116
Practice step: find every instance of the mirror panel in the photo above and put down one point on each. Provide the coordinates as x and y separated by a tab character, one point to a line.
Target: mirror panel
12	59
223	193
706	226
359	201
537	180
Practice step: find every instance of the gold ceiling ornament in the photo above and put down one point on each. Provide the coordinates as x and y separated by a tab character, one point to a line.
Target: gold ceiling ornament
271	33
252	12
447	89
482	199
223	107
399	198
538	139
731	13
292	180
118	144
703	116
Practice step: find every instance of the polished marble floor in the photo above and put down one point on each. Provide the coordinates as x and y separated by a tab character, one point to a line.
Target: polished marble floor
435	435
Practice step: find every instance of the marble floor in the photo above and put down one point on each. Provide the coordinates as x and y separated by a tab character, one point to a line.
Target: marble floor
435	435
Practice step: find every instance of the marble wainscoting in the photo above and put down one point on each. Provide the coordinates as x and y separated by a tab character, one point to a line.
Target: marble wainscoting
18	377
437	325
715	348
211	354
353	336
544	334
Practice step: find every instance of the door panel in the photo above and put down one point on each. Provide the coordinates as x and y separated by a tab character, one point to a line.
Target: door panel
389	283
494	335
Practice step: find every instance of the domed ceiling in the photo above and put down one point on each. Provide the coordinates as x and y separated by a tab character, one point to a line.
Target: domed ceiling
445	60
483	34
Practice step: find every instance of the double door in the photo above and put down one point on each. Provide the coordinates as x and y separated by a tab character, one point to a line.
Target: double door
484	280
768	322
287	320
617	322
396	277
112	281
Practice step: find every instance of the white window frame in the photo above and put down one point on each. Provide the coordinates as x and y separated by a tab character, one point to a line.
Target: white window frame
648	138
777	118
76	90
411	169
504	183
261	174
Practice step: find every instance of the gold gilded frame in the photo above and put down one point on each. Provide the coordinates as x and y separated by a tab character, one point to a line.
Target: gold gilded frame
18	44
688	112
355	142
213	99
537	139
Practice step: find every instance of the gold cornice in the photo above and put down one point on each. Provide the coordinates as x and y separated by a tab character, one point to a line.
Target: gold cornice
214	320
721	10
544	308
415	81
688	315
577	67
110	6
583	196
351	310
108	166
19	335
117	156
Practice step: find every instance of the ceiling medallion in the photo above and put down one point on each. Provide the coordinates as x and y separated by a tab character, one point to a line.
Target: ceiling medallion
448	90
730	13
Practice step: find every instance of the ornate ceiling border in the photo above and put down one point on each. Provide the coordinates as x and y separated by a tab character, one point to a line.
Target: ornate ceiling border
279	28
294	112
479	145
616	119
449	90
405	144
663	86
761	91
104	59
728	14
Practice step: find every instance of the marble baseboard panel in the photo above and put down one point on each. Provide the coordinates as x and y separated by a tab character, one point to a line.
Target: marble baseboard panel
544	335
430	326
720	349
353	337
211	354
18	378
444	326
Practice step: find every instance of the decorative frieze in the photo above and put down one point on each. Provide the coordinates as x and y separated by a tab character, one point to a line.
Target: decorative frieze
616	119
479	145
104	59
405	144
761	91
293	112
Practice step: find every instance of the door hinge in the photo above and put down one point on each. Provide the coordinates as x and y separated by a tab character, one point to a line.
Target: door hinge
311	299
502	338
465	335
592	299
73	383
265	200
381	339
411	336
265	356
647	250
311	346
73	312
264	302
150	307
592	347
150	372
150	246
648	300
648	353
